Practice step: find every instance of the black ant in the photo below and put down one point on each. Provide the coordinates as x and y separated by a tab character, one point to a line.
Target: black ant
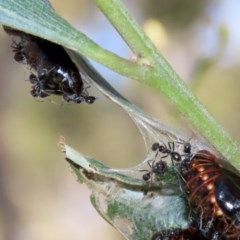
158	167
167	151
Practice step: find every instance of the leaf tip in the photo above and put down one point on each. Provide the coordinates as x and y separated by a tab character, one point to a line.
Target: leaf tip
61	144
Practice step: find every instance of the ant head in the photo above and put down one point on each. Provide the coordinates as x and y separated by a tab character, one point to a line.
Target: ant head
187	147
90	99
33	79
162	148
146	176
155	146
19	57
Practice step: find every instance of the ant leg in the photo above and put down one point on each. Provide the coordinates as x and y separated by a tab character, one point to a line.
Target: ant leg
38	88
171	146
150	163
148	175
155	148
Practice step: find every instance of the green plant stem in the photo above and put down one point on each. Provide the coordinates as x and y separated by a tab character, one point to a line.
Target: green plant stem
128	28
168	82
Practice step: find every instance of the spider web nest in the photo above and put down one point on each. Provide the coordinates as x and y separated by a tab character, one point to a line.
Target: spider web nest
163	195
151	130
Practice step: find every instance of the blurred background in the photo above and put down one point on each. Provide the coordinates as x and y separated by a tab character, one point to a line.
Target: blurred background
39	195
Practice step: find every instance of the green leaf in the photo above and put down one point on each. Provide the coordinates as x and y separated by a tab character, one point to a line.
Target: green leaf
40	19
132	206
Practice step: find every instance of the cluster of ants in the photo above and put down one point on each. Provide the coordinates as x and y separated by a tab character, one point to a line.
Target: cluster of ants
160	166
213	196
54	71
